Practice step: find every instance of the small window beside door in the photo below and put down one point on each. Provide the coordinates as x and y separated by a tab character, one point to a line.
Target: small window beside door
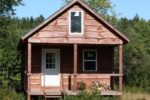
89	60
76	22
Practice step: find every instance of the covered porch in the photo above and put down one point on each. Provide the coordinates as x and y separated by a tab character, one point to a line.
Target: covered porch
71	69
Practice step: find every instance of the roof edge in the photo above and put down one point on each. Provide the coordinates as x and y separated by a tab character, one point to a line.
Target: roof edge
121	35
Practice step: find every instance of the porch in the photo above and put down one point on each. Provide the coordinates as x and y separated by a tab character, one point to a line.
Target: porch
71	70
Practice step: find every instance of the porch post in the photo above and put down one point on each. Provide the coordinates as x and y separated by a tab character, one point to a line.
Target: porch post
28	97
29	69
120	70
75	66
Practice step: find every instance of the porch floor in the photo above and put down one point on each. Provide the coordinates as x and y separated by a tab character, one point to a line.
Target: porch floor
110	93
45	92
68	92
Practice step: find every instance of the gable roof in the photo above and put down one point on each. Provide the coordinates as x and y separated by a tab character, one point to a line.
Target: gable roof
66	7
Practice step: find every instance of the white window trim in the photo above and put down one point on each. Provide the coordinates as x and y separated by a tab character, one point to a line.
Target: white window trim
89	60
82	21
47	51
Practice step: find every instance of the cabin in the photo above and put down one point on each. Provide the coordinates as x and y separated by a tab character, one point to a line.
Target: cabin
74	45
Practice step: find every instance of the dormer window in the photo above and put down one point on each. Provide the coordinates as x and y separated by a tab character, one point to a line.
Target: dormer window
76	23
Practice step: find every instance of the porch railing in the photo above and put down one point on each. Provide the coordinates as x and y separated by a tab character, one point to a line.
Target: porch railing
67	81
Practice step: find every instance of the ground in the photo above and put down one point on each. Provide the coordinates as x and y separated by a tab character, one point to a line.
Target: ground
136	96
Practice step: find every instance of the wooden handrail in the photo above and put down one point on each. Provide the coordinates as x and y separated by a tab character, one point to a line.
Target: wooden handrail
96	74
34	73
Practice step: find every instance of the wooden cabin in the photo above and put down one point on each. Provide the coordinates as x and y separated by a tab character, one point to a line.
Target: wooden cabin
75	45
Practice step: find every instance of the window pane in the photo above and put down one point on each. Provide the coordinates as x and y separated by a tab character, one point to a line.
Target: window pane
90	65
50	60
76	22
89	55
47	66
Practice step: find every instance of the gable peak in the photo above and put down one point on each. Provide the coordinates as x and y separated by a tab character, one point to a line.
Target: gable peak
25	37
77	0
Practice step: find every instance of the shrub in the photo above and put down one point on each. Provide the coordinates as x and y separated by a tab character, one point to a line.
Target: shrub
9	94
89	96
99	86
81	86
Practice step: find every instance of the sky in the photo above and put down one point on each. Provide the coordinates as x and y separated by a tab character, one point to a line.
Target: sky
124	8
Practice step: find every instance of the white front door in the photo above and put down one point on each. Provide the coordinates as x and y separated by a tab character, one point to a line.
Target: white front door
51	67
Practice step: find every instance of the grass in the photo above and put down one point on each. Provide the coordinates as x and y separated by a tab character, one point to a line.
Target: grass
10	94
136	96
135	93
131	93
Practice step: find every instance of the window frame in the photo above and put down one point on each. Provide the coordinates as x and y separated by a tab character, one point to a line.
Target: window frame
82	21
89	60
51	62
47	50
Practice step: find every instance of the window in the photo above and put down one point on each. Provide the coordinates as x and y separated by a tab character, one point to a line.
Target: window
90	60
50	60
76	22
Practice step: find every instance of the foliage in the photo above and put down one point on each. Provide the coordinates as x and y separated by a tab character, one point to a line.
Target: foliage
10	62
103	7
92	94
81	86
130	89
8	94
7	6
89	96
100	86
136	53
136	96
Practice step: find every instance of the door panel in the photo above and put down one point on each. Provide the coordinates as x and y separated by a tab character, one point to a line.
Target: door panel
51	67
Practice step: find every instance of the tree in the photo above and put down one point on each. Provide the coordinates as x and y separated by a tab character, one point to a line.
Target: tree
136	53
102	7
10	60
11	29
7	6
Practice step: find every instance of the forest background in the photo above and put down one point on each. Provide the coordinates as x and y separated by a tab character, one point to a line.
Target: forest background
136	54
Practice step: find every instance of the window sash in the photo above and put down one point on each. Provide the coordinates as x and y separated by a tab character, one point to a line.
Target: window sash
70	23
90	60
50	61
76	22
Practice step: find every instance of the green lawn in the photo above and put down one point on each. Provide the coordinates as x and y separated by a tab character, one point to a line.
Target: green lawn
136	96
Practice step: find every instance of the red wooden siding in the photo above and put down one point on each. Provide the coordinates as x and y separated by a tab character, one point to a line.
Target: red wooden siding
105	65
66	59
36	59
105	58
87	79
35	82
57	31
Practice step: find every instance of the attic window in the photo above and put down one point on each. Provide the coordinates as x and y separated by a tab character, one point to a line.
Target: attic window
76	22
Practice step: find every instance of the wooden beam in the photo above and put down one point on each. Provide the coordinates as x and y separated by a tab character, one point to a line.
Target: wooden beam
62	82
29	64
77	40
120	69
28	97
75	66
